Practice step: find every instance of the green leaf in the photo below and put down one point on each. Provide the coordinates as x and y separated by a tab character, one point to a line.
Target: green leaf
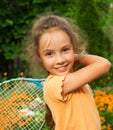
39	1
9	22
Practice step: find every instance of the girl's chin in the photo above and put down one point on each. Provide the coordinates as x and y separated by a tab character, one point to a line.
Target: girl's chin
61	73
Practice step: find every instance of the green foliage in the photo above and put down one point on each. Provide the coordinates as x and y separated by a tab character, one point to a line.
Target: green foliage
88	19
93	16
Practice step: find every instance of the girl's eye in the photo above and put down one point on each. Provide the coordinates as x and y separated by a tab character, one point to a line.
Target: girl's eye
66	49
49	53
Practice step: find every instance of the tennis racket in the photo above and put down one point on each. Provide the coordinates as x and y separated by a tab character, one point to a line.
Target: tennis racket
21	104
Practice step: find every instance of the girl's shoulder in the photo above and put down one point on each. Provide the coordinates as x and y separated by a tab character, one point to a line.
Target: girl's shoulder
54	79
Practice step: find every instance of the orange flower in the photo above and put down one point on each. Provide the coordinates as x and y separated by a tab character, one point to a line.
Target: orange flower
21	123
102	118
104	102
28	119
102	109
10	107
104	127
5	73
109	127
21	73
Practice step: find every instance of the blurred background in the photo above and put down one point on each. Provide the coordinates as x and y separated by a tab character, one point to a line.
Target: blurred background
95	17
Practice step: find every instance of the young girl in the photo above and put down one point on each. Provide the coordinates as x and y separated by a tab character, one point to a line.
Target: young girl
68	97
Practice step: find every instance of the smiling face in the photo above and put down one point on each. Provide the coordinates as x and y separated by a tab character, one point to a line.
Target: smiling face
56	52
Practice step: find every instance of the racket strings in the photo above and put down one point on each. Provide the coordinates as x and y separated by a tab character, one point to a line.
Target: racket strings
21	106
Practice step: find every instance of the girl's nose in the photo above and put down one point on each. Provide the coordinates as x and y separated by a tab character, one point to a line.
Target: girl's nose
60	59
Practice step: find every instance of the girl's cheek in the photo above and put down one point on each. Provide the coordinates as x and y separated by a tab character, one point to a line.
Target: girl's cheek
49	62
70	57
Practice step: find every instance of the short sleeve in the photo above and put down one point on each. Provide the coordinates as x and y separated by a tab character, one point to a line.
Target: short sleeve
53	88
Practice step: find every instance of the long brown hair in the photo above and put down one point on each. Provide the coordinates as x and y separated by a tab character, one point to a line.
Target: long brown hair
45	24
48	118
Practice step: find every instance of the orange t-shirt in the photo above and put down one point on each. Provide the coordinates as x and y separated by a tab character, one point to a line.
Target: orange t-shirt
77	111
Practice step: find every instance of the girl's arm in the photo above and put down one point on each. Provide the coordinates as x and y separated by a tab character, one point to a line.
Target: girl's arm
95	66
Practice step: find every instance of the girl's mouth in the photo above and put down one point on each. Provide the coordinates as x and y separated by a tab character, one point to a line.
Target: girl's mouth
62	68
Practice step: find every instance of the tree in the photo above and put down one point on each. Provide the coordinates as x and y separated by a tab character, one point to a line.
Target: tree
88	18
